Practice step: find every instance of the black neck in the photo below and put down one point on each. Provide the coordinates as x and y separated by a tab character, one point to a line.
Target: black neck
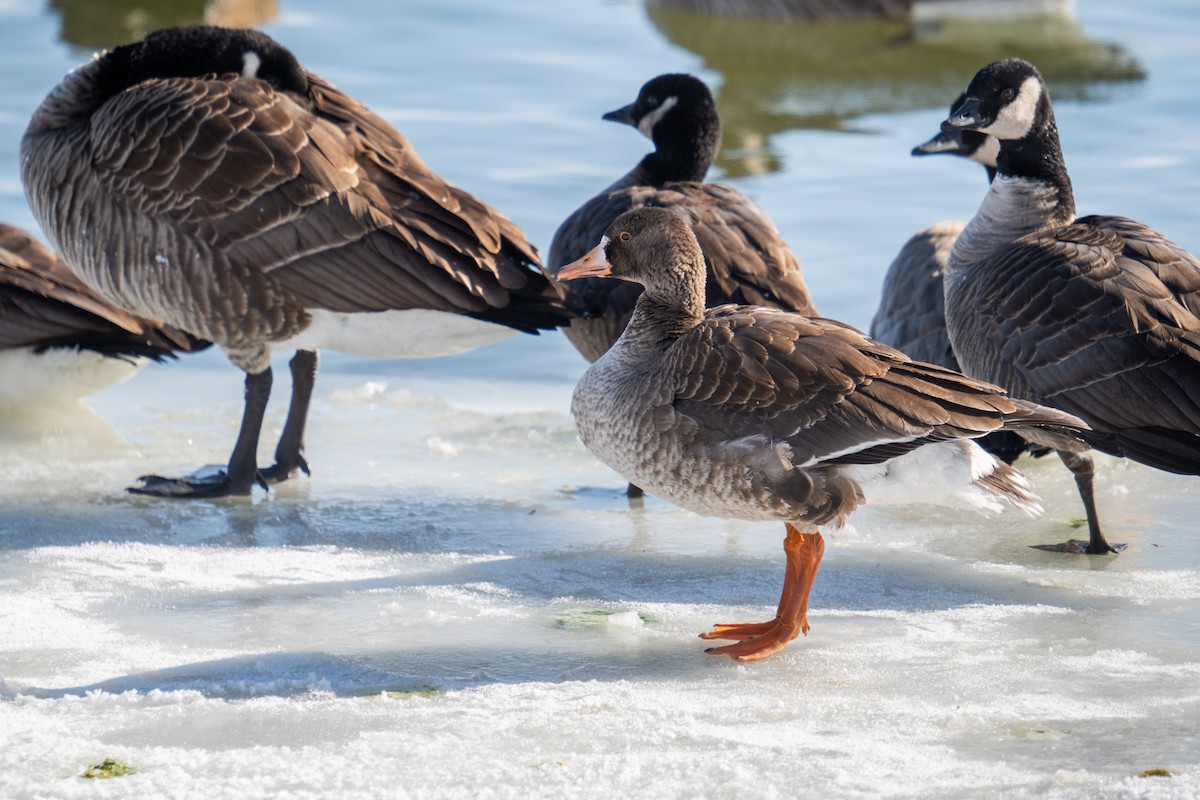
1038	157
685	145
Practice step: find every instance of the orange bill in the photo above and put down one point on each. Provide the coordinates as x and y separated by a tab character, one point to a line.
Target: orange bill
592	265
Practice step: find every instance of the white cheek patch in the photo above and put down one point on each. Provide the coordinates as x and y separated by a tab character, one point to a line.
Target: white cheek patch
250	64
1016	118
987	152
647	123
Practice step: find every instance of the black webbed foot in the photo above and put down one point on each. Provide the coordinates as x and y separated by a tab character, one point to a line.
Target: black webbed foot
280	472
210	481
1082	547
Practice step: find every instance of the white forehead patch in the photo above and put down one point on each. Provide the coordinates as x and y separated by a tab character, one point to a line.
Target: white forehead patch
647	123
1016	118
987	152
250	64
603	246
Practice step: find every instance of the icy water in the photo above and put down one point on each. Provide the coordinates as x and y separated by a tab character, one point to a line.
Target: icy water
459	603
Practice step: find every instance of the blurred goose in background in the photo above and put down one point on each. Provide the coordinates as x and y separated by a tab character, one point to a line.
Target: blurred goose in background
795	10
756	413
1098	316
746	258
203	177
912	310
59	342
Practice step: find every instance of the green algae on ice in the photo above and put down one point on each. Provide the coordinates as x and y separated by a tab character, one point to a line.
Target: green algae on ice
108	768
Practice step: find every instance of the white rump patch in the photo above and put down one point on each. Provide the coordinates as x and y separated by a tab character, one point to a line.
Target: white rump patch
942	474
410	333
250	64
1016	118
647	123
59	375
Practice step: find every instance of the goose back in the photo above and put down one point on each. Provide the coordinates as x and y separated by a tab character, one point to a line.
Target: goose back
232	204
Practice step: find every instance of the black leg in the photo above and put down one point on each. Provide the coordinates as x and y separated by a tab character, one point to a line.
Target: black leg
243	465
242	472
289	454
1084	470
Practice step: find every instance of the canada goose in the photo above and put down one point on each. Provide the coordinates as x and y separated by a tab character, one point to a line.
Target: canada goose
1098	316
757	413
747	260
202	177
912	310
59	342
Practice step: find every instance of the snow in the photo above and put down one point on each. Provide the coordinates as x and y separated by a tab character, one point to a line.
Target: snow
460	603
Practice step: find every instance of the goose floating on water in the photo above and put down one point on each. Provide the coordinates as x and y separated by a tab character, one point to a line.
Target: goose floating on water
203	177
1098	316
756	413
59	342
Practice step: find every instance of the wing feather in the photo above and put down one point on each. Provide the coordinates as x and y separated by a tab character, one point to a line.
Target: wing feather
832	394
1099	319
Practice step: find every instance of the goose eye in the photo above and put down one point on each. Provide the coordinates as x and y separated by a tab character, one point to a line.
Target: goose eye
624	236
651	100
1007	94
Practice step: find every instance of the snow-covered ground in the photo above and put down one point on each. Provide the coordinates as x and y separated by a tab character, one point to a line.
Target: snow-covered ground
460	603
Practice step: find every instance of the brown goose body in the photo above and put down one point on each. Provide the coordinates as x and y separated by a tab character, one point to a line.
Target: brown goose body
1098	316
59	341
757	413
204	178
747	260
911	316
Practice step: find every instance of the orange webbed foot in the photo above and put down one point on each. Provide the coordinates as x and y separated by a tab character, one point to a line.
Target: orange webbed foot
742	631
755	640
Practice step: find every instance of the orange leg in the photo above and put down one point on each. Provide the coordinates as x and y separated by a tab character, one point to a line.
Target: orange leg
757	640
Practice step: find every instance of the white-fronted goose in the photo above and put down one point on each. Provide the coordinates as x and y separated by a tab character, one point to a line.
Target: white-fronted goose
204	178
756	413
747	260
912	311
59	342
1098	316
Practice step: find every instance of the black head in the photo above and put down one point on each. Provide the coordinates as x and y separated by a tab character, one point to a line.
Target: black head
651	246
1006	99
978	147
193	51
672	100
678	113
